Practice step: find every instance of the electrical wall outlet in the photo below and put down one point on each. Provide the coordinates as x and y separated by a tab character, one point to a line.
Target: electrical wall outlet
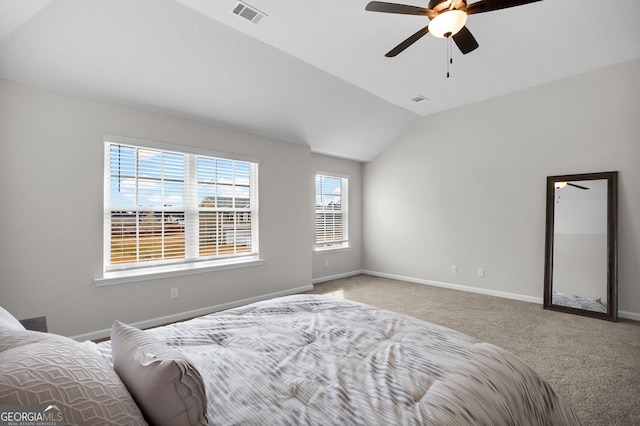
454	269
480	273
174	292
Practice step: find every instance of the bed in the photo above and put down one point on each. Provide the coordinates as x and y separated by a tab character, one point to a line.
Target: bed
295	360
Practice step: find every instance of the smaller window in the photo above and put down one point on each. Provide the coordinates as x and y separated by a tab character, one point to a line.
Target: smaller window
332	219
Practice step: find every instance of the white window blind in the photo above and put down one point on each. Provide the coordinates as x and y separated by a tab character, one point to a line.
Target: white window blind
331	222
168	205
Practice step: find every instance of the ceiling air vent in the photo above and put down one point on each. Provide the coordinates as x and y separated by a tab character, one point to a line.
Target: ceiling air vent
247	12
419	99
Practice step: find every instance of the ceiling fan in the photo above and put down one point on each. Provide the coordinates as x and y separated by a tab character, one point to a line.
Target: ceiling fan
447	18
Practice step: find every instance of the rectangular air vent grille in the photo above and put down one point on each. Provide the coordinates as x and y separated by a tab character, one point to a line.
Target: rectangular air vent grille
247	12
419	99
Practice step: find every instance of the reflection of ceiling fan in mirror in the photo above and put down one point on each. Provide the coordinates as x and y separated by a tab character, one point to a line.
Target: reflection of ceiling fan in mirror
560	185
447	19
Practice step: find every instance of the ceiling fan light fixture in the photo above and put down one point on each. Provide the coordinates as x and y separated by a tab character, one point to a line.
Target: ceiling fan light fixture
448	23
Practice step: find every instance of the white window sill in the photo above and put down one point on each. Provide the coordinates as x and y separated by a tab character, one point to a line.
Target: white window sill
331	250
152	273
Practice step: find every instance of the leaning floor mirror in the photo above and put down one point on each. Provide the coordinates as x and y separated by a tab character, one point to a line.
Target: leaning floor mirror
581	245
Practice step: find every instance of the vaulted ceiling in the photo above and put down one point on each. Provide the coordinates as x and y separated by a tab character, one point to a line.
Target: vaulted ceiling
312	73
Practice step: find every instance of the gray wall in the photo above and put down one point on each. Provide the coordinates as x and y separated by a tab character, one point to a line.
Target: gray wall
51	187
467	187
334	264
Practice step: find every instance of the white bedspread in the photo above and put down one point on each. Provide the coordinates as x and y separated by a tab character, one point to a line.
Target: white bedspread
314	360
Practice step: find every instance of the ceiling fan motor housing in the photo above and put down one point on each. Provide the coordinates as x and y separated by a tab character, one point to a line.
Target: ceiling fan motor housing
442	5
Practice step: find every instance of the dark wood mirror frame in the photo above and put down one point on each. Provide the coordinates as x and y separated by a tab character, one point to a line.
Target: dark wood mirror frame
612	245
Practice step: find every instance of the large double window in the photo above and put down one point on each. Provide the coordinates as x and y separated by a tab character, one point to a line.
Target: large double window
331	225
167	205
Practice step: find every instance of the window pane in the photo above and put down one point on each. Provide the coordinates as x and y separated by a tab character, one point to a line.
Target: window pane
173	194
149	192
122	175
149	163
122	161
146	236
124	233
174	234
207	195
241	197
224	233
242	174
206	170
224	187
173	166
210	233
224	171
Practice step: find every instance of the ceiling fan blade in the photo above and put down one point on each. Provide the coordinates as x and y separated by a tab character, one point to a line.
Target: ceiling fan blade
465	41
490	5
379	6
577	186
408	42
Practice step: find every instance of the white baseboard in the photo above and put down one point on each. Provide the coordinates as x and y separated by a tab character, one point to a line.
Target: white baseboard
337	276
629	315
496	293
101	334
621	314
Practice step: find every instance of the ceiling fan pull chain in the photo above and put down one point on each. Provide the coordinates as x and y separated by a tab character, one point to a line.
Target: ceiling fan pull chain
449	56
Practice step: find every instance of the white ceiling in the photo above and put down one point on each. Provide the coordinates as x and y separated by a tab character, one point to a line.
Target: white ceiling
312	73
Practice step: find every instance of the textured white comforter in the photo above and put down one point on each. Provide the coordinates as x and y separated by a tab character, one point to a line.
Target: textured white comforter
314	360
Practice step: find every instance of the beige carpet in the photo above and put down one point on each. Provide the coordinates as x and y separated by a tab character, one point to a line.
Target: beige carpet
593	364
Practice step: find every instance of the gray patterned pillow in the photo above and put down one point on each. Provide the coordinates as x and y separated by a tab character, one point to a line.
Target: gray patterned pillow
167	387
39	368
11	338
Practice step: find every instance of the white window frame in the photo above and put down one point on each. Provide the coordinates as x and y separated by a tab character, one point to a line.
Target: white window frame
343	243
192	261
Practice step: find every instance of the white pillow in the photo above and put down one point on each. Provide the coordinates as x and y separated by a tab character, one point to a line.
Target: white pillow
165	385
8	321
